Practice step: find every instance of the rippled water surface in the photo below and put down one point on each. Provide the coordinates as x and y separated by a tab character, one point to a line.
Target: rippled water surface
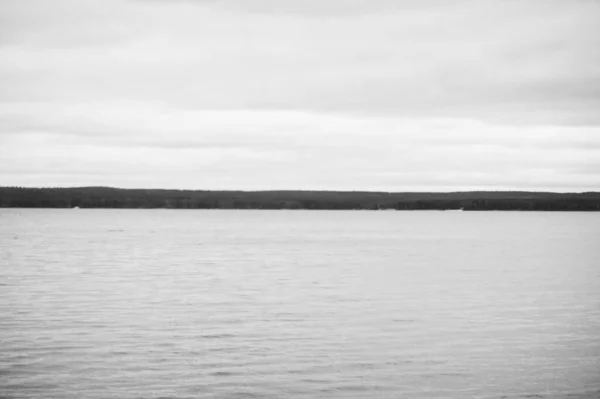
298	304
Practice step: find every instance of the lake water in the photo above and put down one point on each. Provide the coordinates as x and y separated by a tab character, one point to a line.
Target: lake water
298	304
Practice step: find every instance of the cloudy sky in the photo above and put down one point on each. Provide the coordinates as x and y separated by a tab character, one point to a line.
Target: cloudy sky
301	94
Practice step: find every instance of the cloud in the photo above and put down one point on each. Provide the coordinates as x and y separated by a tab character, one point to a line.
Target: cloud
513	62
291	150
257	94
312	8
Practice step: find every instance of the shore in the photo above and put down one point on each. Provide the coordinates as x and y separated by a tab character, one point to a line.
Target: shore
108	197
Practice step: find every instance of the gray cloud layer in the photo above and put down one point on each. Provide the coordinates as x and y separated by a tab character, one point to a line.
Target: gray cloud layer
268	94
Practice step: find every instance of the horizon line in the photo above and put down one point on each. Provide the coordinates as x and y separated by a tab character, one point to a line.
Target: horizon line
301	190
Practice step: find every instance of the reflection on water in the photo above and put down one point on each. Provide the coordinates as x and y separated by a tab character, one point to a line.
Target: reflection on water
298	304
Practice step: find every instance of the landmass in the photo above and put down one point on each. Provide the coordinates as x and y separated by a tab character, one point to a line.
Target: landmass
108	197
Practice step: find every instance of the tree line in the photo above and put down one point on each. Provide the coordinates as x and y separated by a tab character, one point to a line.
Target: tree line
107	197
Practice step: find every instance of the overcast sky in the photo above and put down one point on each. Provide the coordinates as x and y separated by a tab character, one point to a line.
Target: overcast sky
301	94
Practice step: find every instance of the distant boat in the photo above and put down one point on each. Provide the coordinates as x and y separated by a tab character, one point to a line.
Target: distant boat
461	209
75	207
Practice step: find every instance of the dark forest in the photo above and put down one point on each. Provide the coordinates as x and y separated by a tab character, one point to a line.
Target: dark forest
106	197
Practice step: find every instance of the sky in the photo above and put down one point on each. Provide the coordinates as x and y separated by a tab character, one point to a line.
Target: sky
377	95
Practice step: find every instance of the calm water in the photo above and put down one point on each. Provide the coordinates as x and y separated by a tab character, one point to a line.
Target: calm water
298	304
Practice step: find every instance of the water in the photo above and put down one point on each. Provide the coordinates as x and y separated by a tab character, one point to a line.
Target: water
298	304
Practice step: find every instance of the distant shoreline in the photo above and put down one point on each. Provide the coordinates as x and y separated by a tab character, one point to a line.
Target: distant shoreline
117	198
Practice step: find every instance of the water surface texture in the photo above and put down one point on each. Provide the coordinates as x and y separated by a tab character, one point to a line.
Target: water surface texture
298	304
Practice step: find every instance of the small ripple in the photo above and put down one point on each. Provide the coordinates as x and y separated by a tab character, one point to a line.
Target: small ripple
217	336
223	373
